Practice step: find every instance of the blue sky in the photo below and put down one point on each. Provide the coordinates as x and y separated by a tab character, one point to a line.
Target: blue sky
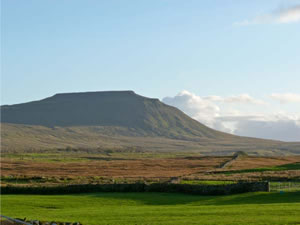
156	48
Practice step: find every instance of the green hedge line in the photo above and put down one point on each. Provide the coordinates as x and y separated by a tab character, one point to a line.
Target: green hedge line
141	187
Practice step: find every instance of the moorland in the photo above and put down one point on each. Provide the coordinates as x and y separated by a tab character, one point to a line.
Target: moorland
81	167
120	138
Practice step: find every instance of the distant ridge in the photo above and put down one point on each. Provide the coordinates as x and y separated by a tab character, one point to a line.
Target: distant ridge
118	119
148	116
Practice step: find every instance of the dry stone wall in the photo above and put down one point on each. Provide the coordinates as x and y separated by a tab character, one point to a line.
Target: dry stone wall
240	187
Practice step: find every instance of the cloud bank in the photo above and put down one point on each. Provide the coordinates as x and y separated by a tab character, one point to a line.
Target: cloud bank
225	114
243	98
280	16
196	107
286	98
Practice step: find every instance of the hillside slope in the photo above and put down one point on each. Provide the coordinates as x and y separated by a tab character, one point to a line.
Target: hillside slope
118	120
144	116
32	138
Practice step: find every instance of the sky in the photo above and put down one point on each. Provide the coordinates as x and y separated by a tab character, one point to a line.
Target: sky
232	65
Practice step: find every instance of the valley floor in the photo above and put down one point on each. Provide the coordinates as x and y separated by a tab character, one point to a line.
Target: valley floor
157	208
47	169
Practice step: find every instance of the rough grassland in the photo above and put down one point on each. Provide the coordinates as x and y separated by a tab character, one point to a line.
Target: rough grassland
18	138
32	168
157	208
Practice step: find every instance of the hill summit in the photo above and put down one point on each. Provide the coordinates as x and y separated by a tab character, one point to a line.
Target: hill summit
144	116
118	120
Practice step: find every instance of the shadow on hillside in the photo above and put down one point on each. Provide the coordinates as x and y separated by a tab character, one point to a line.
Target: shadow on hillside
178	199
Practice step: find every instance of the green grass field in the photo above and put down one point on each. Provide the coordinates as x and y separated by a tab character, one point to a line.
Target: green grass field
157	208
291	166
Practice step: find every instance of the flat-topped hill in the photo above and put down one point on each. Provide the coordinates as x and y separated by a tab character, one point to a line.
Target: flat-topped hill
118	119
146	116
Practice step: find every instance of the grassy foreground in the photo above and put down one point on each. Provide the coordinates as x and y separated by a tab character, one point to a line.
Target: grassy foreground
157	208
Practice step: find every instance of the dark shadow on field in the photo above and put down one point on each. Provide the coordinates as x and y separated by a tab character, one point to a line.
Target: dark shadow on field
178	199
259	198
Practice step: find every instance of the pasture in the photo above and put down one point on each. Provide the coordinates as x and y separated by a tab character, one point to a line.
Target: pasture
157	208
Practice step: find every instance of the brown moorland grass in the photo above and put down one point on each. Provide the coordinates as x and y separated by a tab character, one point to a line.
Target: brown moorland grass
112	168
251	162
204	168
251	176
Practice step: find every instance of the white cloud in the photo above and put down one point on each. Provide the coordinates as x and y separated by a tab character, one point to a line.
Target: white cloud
195	106
276	126
243	98
286	97
214	112
289	15
281	16
285	129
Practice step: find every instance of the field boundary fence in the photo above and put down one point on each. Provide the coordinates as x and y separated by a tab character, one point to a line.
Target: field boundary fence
241	187
284	186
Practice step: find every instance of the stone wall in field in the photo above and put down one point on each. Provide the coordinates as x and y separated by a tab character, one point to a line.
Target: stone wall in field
37	222
226	189
210	189
18	221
